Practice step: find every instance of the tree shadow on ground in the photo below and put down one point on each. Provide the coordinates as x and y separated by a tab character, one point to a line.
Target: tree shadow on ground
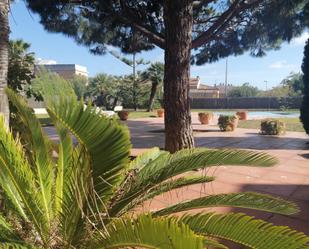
253	142
299	196
146	134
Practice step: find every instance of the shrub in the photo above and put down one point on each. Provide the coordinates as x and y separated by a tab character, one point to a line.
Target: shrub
205	117
227	122
272	127
304	110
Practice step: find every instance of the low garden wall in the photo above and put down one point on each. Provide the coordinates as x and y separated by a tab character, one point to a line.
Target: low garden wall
246	103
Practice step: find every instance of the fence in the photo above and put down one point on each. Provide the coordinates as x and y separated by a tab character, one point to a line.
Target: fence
246	103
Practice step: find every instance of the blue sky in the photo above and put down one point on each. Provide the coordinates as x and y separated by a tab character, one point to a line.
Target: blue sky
56	47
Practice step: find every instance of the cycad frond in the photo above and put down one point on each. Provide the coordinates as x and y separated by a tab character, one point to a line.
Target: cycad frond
76	191
106	141
249	200
16	245
246	230
148	232
64	166
168	165
163	188
16	177
141	160
40	150
6	230
186	160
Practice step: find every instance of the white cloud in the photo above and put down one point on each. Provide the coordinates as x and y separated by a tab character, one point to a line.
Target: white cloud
41	61
301	40
282	65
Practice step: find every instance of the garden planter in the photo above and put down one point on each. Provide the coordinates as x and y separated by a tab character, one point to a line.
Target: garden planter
160	113
123	115
233	124
227	123
242	115
272	127
205	117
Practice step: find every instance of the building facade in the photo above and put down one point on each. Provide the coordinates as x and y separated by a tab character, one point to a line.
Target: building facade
199	90
66	71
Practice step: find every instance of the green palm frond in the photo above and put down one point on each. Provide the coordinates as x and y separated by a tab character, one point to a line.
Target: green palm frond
249	200
163	188
168	165
186	160
6	230
246	230
75	197
40	150
64	165
16	177
106	141
16	245
140	161
148	232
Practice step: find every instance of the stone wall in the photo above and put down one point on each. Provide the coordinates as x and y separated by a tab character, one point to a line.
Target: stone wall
246	103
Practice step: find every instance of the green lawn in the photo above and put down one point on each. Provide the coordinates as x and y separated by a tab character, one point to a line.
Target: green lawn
292	124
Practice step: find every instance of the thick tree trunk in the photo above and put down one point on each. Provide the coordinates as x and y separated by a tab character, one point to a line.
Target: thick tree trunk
178	24
153	91
4	57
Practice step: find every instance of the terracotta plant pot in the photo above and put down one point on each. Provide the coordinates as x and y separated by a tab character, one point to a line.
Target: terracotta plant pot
242	115
205	117
123	115
234	124
160	113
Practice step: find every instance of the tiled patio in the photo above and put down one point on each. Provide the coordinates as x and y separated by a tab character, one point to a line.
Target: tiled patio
289	179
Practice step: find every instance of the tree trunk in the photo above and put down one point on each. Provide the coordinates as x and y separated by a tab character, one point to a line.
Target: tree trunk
178	24
134	84
4	57
154	87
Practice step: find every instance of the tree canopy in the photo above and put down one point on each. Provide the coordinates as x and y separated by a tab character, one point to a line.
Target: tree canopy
220	27
245	90
188	31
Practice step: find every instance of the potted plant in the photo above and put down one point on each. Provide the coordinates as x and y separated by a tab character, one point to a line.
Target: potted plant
205	117
227	122
160	113
123	115
242	115
272	127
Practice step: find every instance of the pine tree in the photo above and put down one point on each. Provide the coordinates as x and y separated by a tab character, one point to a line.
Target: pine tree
212	29
304	110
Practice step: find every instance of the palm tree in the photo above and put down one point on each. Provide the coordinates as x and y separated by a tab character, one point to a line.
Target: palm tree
82	194
4	57
154	74
21	66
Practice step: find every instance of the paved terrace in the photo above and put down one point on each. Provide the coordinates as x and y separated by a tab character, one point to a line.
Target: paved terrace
289	179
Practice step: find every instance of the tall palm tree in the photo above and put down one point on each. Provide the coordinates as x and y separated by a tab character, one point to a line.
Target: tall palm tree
4	57
83	194
154	74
